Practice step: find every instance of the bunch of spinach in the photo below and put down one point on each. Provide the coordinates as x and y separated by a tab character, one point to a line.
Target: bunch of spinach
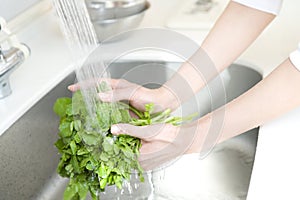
91	157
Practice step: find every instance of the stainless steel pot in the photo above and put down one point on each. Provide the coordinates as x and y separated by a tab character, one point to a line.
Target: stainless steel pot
110	27
112	9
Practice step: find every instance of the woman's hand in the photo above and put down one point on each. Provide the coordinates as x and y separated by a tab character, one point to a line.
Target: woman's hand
138	96
163	143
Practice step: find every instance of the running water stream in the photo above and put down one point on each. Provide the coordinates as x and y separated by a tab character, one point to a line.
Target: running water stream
82	41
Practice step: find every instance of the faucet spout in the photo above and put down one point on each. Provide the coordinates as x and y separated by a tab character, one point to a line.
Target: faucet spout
9	61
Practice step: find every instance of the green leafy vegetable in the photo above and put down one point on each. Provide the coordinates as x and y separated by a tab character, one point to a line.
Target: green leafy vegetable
91	157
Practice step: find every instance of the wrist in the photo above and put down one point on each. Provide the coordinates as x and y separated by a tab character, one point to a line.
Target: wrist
199	131
167	97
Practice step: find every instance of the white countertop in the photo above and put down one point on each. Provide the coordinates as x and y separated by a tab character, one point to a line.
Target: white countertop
276	171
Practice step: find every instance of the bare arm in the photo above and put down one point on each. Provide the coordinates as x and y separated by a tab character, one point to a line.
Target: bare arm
273	96
233	32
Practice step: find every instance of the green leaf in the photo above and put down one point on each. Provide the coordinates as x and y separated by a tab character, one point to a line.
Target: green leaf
89	138
125	116
90	166
84	162
82	151
82	190
75	164
77	125
101	171
116	116
104	157
60	106
78	105
69	110
70	191
108	144
148	110
128	152
64	129
116	149
69	168
94	193
103	115
103	183
59	144
77	138
73	147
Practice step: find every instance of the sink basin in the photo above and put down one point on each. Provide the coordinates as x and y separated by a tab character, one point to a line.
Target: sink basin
29	158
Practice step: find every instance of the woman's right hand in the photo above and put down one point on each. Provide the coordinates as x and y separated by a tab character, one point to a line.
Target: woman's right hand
137	95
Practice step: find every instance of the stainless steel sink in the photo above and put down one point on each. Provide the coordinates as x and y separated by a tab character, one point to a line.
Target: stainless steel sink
28	158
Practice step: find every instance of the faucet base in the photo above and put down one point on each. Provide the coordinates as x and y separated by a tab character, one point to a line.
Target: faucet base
5	89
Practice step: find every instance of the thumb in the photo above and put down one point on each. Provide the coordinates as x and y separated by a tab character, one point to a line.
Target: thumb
142	132
127	129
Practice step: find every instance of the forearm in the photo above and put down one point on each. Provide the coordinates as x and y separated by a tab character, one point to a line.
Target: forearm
233	32
273	96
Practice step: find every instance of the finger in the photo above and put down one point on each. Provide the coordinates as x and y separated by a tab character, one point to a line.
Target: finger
88	83
119	83
113	83
118	94
145	133
74	87
153	160
133	115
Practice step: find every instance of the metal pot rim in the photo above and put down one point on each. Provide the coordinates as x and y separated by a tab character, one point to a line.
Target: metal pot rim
109	21
110	4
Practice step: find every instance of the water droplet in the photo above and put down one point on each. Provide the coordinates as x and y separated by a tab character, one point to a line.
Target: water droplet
162	175
128	186
136	185
151	196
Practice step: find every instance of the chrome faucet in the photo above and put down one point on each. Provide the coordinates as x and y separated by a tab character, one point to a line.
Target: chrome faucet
10	59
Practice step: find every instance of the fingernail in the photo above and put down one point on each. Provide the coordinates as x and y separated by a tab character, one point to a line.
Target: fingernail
70	87
115	129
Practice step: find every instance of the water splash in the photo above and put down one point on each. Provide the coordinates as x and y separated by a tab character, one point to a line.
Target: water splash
128	186
151	183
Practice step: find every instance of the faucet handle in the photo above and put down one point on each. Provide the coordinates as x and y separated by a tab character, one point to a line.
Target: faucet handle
5	89
12	39
10	58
